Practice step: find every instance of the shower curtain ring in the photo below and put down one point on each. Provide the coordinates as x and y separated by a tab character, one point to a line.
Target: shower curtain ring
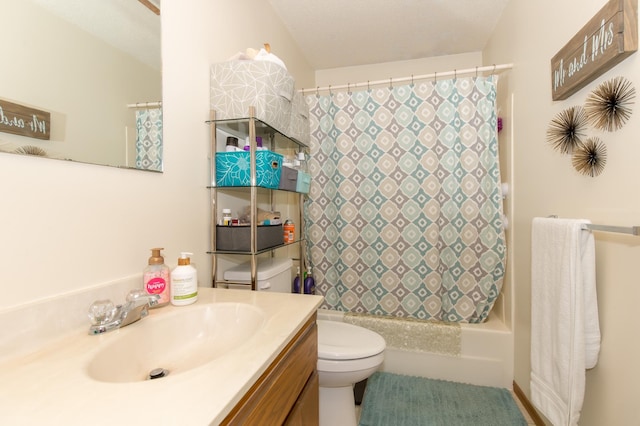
329	90
455	74
476	71
368	87
349	88
435	77
412	79
494	70
390	83
317	90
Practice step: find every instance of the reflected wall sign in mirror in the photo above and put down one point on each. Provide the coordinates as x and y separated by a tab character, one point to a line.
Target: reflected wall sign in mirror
95	67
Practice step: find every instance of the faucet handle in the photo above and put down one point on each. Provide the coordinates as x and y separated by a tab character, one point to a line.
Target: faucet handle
142	296
102	311
136	294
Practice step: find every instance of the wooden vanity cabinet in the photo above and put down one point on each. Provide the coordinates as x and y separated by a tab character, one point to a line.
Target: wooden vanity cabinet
287	392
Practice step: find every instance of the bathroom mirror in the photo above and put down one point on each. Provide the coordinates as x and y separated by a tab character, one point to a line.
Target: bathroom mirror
93	69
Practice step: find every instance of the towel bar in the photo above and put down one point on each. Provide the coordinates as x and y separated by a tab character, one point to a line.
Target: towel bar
633	230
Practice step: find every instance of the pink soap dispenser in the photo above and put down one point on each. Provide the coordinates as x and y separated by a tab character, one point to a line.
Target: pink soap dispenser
157	277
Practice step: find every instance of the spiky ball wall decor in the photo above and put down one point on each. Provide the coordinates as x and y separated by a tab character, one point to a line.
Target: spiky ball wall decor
566	130
608	107
31	150
590	157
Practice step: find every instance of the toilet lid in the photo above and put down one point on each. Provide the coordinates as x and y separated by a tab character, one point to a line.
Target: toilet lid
342	341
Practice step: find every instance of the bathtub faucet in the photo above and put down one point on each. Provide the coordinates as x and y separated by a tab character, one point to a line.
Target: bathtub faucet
105	316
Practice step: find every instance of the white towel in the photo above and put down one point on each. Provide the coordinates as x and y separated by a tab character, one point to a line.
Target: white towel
565	333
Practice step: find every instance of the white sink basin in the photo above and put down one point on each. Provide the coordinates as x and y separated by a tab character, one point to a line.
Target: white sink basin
175	342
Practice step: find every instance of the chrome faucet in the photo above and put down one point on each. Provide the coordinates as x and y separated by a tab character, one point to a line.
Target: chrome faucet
105	316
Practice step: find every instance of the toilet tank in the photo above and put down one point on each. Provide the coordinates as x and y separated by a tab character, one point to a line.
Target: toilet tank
274	274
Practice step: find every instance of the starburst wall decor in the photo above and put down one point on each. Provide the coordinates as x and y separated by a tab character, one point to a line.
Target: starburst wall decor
567	129
608	107
590	157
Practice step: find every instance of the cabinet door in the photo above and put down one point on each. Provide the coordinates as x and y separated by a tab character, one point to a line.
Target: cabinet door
306	411
274	395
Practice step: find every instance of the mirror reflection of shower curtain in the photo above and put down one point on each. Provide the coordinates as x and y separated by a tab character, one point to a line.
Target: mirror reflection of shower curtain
149	139
404	217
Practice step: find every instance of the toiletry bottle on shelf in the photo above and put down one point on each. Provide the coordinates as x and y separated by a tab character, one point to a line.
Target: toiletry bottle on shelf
309	283
184	282
232	144
302	162
226	217
289	231
296	282
259	145
156	277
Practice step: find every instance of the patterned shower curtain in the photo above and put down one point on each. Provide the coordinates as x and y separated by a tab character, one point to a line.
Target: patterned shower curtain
404	216
149	139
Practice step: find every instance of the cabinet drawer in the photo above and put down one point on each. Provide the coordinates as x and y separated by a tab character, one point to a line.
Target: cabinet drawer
274	395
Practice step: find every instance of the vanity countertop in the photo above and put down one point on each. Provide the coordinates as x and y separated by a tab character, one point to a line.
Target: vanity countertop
51	386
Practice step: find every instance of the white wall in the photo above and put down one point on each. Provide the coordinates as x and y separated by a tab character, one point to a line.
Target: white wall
67	227
398	69
530	34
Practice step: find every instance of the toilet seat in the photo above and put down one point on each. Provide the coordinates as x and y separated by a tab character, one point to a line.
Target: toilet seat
350	365
341	342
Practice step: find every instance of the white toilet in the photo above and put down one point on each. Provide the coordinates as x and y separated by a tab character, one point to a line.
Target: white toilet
347	354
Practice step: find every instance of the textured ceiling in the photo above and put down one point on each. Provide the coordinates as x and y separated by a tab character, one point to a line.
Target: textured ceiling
341	33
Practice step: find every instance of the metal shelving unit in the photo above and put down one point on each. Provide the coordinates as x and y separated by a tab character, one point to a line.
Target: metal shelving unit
279	142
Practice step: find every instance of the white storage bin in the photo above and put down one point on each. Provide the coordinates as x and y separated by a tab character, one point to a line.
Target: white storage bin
237	85
299	124
274	274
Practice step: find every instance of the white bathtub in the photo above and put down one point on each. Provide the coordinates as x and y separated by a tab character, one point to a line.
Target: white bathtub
485	358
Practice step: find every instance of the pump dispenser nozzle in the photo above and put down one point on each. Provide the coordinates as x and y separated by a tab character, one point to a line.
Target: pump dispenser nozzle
184	258
156	258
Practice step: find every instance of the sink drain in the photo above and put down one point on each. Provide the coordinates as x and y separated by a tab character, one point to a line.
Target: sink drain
158	373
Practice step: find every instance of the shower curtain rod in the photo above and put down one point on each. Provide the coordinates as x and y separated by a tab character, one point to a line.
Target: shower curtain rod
390	81
144	105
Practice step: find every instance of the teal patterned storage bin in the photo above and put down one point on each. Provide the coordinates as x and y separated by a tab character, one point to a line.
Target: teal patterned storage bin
234	169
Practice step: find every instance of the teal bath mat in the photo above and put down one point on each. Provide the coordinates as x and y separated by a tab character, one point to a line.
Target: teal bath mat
396	400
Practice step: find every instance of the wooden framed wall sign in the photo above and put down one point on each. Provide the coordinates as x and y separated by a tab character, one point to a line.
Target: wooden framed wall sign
24	121
608	38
